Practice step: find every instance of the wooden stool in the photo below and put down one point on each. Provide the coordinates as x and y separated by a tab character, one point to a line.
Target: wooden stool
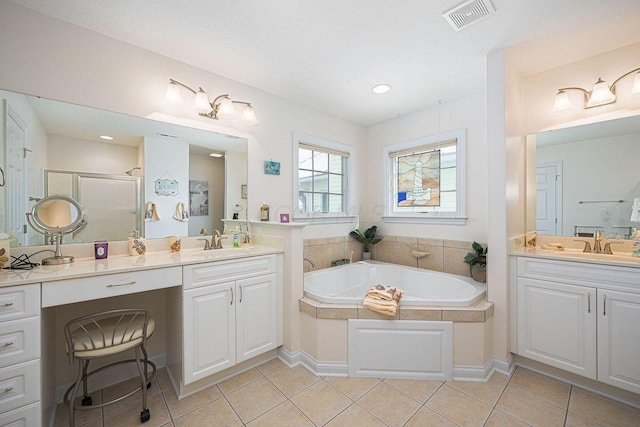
103	334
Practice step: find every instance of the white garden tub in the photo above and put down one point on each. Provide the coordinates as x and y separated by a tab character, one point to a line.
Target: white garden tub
348	284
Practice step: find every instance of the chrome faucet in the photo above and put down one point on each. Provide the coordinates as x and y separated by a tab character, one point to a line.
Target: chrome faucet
310	262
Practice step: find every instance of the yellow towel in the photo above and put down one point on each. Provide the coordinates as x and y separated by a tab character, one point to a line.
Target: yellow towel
387	308
383	299
385	292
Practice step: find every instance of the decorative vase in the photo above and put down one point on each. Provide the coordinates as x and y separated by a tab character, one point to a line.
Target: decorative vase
479	273
366	256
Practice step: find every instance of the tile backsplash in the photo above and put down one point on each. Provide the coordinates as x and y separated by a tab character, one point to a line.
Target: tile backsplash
444	255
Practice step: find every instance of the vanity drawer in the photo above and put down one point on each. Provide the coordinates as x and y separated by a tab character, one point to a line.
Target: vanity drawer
19	341
26	416
19	385
224	271
17	302
89	288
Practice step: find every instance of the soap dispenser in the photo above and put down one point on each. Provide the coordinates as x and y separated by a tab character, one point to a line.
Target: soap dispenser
136	244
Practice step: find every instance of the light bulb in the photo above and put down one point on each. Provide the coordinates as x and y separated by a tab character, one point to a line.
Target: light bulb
226	110
600	95
562	103
201	102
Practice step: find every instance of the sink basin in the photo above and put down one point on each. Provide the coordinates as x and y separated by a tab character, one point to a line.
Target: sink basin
599	257
221	253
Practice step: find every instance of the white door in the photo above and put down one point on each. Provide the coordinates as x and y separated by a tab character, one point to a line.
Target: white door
618	339
256	316
557	325
15	174
209	331
548	204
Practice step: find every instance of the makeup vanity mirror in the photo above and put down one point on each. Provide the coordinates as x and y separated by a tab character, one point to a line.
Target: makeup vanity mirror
115	165
53	217
584	178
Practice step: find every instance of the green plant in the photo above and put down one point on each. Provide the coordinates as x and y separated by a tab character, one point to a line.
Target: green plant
478	257
367	238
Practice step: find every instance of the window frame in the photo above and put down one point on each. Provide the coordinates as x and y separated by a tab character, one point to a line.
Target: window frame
448	218
323	144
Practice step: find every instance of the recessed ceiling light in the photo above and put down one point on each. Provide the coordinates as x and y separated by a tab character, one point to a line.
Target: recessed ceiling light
107	137
382	88
214	154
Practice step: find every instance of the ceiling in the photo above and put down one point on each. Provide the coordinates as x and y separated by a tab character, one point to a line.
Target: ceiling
329	54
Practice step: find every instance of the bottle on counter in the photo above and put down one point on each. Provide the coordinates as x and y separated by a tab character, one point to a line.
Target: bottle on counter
636	243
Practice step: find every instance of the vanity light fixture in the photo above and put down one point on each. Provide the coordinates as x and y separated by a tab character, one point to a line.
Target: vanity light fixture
601	94
221	108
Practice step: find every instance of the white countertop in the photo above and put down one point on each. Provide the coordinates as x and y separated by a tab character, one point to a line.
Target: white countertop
123	263
573	255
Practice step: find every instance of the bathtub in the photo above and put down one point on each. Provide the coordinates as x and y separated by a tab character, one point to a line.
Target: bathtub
348	284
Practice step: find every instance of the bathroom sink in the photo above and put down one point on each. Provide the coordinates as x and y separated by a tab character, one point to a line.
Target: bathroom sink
599	257
221	253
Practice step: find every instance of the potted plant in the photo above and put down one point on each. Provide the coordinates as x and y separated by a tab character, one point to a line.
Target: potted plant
477	261
368	238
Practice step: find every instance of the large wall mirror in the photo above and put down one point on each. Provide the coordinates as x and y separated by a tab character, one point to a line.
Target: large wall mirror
584	178
192	178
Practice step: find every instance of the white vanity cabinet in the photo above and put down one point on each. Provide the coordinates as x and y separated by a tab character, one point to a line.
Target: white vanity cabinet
230	314
580	317
20	355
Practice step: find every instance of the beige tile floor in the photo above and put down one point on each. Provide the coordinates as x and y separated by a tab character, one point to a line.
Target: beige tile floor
274	395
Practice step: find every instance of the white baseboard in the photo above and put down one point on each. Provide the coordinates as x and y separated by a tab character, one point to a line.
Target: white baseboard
109	377
340	369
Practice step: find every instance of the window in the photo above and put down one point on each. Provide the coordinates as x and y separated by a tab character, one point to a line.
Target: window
426	180
321	187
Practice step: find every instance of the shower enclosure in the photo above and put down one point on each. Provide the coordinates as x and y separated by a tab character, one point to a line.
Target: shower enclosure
112	203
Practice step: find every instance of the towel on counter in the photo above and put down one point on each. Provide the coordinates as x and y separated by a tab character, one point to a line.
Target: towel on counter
383	299
635	210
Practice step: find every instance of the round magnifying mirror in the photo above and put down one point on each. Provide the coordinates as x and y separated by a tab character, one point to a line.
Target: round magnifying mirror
57	214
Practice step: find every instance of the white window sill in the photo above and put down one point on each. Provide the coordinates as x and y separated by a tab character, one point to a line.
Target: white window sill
325	219
414	219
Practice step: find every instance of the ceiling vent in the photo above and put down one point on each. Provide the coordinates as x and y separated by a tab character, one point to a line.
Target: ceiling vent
468	13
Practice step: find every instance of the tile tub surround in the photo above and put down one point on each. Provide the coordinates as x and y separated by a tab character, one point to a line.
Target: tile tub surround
444	255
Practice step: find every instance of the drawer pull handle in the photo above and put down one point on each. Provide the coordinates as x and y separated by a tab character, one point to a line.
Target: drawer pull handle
9	304
231	289
7	390
7	344
604	306
589	307
122	284
240	293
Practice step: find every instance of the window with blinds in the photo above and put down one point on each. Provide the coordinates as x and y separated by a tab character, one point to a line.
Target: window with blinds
426	178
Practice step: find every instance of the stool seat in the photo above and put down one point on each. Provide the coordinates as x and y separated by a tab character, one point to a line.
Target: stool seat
109	336
104	334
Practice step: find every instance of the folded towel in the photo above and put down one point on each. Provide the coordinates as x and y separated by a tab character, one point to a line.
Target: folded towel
385	292
635	210
383	299
387	308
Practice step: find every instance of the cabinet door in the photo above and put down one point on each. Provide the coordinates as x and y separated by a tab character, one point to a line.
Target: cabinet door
557	325
618	339
256	316
209	331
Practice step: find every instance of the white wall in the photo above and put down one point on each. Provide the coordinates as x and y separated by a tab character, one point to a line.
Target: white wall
90	69
464	113
176	154
210	169
596	169
77	155
540	90
235	177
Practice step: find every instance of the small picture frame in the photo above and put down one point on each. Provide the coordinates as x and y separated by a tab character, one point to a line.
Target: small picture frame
243	191
272	168
284	218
